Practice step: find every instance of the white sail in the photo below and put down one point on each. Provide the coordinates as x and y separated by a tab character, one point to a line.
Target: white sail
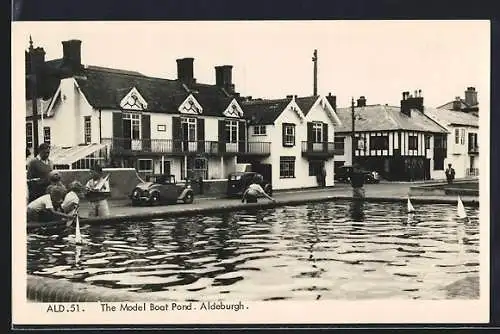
460	209
101	183
410	206
78	235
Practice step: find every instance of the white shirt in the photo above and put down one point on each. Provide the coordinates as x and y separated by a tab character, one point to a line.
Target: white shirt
41	203
92	184
255	189
71	201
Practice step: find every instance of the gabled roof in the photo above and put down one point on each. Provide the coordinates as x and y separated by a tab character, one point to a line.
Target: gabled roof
463	105
386	118
264	112
105	88
305	103
447	117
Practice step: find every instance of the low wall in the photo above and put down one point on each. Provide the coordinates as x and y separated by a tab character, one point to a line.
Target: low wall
216	188
465	188
121	180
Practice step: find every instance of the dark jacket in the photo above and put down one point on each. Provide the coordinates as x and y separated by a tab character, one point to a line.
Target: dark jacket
357	179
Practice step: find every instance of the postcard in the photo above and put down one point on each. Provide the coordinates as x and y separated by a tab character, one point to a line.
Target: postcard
237	172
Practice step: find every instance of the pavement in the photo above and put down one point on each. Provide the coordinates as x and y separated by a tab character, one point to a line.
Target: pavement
121	210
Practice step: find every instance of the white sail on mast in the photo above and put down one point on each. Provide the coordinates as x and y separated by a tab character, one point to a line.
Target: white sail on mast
410	206
461	209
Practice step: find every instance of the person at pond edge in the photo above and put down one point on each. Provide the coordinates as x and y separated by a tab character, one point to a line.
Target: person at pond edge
45	208
254	191
38	172
357	182
450	174
98	190
72	198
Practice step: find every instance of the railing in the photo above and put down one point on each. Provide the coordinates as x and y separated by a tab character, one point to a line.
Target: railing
310	148
174	146
472	172
473	149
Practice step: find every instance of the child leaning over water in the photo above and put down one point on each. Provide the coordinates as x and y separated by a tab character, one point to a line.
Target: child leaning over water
72	198
44	208
97	191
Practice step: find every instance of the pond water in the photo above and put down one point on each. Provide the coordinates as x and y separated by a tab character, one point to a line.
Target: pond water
336	250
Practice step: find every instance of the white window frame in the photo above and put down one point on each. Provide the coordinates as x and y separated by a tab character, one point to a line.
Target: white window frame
259	130
87	129
289	134
462	136
29	134
135	122
231	129
144	171
46	134
285	171
317	129
192	128
457	136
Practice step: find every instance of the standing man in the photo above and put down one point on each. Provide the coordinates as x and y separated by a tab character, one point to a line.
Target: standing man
39	169
450	174
357	182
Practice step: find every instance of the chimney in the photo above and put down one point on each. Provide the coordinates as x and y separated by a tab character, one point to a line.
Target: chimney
35	60
72	54
224	77
185	72
471	96
315	72
457	104
361	101
332	99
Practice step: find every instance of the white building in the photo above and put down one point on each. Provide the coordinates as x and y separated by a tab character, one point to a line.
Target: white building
301	131
463	141
155	125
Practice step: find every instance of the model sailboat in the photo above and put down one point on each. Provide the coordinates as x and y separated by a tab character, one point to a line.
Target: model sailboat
461	209
410	207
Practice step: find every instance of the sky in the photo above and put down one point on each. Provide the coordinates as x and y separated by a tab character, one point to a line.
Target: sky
272	59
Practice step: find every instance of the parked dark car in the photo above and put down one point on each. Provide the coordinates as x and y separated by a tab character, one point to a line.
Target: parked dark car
238	182
342	174
161	189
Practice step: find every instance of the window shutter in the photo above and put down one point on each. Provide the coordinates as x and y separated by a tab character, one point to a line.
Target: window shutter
117	130
201	135
146	132
222	136
176	133
294	134
242	136
309	136
283	134
325	137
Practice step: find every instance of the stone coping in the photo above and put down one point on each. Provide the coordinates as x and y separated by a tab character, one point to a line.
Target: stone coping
46	290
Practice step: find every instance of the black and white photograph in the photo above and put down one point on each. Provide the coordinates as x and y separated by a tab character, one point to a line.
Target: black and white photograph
217	169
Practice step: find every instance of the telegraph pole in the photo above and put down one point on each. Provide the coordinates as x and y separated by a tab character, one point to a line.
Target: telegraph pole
353	134
33	81
315	74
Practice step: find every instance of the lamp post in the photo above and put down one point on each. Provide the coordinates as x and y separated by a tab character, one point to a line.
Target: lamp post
353	134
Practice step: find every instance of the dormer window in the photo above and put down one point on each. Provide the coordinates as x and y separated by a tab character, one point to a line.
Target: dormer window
259	130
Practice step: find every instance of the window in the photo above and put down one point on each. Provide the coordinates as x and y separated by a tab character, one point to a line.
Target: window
196	168
317	132
288	134
29	134
457	136
412	142
161	128
379	142
439	141
338	143
427	140
46	135
145	166
473	145
361	143
188	128
132	126
87	130
259	130
88	162
232	131
439	163
462	136
287	167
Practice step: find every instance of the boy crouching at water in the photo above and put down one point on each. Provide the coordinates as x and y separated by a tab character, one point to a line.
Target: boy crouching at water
254	191
44	208
72	198
97	191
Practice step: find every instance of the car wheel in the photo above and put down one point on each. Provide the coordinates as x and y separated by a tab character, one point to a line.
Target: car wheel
155	198
269	190
188	199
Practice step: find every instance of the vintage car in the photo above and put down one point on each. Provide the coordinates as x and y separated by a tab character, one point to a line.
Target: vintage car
342	174
238	182
161	189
